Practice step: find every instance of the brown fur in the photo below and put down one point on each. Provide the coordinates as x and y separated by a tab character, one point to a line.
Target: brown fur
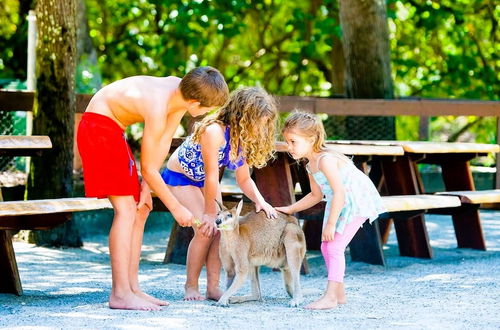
253	240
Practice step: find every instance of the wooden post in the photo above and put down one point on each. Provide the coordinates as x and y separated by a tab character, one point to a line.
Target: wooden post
10	282
401	179
467	223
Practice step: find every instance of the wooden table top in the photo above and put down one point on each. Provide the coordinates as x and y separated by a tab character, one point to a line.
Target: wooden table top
357	149
427	146
24	142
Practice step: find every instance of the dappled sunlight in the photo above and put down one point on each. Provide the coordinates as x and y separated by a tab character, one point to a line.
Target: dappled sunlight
75	290
81	315
154	323
436	277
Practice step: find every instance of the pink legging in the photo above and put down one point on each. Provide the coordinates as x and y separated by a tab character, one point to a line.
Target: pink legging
333	251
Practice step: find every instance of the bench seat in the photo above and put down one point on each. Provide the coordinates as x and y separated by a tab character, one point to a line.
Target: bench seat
47	206
418	202
476	196
366	246
34	214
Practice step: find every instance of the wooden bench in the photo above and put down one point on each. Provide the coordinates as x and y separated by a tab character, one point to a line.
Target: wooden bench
366	246
468	231
39	215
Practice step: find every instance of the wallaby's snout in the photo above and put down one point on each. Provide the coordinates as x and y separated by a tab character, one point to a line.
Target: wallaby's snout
228	219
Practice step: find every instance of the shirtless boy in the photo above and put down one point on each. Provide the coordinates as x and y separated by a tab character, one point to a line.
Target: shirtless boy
109	167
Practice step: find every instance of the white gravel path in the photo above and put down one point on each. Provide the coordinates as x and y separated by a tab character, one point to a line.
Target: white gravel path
458	289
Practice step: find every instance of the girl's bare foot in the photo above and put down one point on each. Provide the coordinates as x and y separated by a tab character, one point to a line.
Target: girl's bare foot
131	301
151	299
214	294
192	294
324	302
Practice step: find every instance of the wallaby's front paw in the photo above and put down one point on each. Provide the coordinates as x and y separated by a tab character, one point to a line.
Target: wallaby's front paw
295	302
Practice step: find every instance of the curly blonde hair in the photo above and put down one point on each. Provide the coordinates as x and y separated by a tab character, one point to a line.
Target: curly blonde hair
251	113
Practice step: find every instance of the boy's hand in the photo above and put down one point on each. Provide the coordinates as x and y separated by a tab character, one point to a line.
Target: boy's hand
268	209
183	217
207	227
328	233
284	209
145	199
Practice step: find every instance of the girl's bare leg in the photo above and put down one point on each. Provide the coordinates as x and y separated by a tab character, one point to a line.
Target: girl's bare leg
192	198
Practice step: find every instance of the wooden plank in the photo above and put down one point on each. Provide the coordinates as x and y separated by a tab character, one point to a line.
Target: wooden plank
419	202
397	107
34	221
45	206
423	147
355	149
275	181
25	142
475	196
16	100
23	101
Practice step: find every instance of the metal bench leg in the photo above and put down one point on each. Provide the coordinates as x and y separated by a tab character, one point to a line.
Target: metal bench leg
10	282
366	245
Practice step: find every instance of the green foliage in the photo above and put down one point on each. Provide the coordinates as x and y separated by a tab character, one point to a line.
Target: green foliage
439	49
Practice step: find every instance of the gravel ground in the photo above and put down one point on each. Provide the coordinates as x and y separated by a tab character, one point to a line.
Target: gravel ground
458	289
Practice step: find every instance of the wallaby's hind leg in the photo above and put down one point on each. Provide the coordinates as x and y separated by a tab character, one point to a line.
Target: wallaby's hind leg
295	250
256	295
287	280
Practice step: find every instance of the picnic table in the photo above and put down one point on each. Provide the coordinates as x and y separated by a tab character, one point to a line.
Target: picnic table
399	175
31	214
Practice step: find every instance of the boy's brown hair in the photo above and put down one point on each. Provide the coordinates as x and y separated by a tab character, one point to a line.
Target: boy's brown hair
205	85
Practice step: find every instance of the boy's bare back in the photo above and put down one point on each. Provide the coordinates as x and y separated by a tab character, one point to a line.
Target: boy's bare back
132	100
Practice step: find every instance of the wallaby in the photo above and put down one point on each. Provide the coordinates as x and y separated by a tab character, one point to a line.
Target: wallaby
253	240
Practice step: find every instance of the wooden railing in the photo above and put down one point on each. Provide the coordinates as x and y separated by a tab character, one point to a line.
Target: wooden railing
23	101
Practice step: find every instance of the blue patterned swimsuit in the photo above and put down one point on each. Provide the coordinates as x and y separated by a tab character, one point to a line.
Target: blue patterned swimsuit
191	161
361	197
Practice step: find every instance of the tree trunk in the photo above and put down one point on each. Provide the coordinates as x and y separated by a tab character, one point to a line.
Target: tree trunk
51	176
367	55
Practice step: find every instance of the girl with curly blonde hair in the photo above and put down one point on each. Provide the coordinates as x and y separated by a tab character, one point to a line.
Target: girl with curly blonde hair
239	136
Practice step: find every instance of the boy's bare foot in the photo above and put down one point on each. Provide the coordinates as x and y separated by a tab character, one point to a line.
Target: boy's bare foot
214	294
151	299
192	294
131	301
323	303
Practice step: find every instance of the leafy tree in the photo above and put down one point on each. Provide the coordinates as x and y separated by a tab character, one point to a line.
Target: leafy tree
51	175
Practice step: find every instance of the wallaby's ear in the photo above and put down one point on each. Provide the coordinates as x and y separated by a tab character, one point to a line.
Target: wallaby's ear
238	209
222	207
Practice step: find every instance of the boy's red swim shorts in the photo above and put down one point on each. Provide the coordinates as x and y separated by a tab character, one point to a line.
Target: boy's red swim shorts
109	167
